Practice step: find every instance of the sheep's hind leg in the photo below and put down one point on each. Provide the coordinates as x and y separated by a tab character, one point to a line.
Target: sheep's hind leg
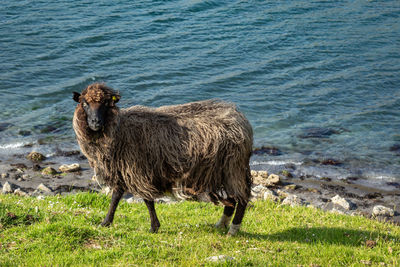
237	220
227	215
155	224
116	197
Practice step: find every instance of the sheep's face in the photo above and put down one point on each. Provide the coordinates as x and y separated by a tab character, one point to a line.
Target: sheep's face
96	102
95	114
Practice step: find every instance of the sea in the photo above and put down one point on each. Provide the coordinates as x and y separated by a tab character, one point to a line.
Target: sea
318	80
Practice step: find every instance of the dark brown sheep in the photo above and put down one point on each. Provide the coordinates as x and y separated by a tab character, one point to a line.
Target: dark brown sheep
200	148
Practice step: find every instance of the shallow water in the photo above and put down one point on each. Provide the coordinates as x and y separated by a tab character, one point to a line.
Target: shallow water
317	79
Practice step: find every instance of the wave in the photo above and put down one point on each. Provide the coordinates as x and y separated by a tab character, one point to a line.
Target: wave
275	163
13	145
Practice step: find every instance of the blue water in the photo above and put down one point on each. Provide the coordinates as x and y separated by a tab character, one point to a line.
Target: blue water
317	79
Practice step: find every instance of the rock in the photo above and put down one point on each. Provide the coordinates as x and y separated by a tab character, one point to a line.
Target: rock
4	125
317	132
25	176
35	156
4	175
380	210
20	193
219	258
332	162
273	179
7	188
49	171
395	148
258	191
287	174
313	190
70	168
270	195
262	178
290	187
19	166
282	194
134	200
166	200
342	202
273	151
293	200
36	167
44	188
24	133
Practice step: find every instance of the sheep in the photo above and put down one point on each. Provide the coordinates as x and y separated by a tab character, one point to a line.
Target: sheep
192	150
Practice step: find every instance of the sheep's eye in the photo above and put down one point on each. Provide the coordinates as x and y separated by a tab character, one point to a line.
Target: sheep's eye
84	104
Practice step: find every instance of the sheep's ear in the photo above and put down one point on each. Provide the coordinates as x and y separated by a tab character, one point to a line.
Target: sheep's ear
115	98
76	96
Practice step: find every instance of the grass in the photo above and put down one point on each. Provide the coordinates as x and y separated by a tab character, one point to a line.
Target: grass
64	231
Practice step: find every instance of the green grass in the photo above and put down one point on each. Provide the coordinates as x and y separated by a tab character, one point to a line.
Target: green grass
65	231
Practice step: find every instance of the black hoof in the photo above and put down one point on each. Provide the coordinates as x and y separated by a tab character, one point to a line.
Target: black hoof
153	230
105	224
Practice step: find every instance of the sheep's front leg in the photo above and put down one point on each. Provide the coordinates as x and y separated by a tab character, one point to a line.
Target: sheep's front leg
116	197
155	224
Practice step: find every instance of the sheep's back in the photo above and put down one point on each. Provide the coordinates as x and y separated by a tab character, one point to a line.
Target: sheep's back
187	145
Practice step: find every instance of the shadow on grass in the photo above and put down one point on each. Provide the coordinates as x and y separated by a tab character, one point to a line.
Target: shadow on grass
334	236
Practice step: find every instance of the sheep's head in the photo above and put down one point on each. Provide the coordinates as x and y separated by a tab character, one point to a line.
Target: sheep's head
98	102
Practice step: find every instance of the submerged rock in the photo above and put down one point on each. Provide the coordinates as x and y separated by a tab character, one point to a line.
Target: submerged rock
318	132
380	210
331	162
4	126
24	133
272	151
36	156
395	148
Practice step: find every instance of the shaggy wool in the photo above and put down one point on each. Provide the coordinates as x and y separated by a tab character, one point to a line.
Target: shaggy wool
196	148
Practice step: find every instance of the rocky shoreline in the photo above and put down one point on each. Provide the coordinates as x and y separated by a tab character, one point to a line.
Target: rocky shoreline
34	175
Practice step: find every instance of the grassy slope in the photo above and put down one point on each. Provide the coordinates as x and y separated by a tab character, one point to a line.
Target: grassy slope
64	231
